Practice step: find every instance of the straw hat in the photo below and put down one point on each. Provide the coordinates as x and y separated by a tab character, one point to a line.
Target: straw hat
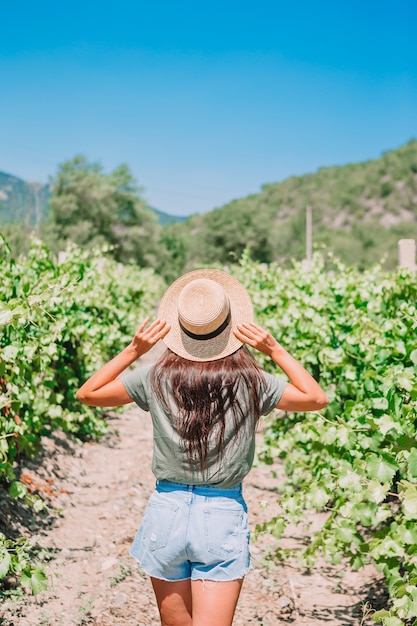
203	307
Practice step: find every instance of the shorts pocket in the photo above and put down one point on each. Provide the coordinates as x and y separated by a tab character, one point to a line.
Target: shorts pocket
157	525
226	531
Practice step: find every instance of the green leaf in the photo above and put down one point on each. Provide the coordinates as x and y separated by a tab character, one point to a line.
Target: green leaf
17	490
410	502
39	581
377	492
365	513
412	463
382	355
277	530
413	357
318	496
329	435
407	535
405	380
385	423
5	560
10	353
6	317
345	534
381	467
34	579
342	435
380	403
357	562
393	621
378	616
350	480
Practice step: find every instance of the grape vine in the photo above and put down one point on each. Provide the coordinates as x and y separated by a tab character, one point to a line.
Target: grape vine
58	324
357	460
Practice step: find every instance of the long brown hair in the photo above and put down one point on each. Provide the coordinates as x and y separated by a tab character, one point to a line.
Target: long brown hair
200	396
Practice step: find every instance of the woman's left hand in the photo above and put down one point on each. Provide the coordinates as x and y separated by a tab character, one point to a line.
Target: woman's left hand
104	388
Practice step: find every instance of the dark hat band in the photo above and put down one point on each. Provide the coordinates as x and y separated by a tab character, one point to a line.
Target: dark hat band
207	336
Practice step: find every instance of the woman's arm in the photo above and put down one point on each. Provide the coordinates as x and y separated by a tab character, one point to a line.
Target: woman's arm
104	388
303	393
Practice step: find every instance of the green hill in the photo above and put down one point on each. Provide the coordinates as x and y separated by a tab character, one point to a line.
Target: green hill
359	211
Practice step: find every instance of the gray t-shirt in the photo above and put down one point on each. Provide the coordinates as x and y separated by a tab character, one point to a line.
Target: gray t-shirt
170	461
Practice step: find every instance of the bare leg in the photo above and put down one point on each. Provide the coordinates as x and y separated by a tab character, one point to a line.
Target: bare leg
174	601
214	603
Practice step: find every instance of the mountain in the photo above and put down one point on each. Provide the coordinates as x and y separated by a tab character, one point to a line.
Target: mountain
360	211
166	218
21	201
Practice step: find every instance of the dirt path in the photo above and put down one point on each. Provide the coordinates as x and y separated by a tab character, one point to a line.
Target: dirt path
102	489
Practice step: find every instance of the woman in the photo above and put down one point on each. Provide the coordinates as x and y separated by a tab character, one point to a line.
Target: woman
205	395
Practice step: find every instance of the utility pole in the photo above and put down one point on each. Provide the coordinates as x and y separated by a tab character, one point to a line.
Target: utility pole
37	208
407	253
309	234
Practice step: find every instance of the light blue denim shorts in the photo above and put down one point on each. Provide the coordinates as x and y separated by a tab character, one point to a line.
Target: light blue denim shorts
197	532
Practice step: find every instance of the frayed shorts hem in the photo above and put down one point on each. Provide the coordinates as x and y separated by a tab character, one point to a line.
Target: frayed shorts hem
192	578
158	577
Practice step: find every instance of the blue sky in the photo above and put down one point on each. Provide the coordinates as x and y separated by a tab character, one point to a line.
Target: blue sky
205	101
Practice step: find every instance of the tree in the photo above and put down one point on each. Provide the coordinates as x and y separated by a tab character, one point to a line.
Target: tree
92	208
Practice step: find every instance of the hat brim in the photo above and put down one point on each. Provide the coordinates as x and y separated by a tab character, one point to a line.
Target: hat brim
241	310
